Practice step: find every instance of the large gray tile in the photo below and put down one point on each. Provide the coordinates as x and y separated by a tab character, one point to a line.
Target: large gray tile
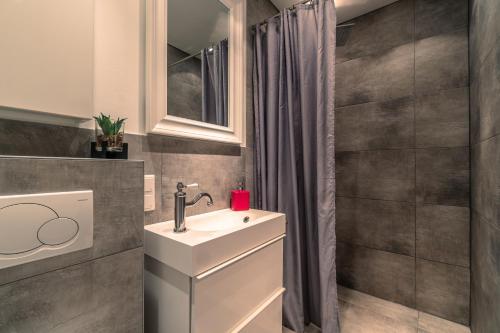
443	234
441	62
383	76
485	275
485	98
379	30
486	179
215	174
379	125
484	29
104	295
443	290
382	225
382	274
438	17
118	203
34	139
378	174
442	120
443	176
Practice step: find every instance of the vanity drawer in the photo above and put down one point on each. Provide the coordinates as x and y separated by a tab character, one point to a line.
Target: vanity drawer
227	294
266	319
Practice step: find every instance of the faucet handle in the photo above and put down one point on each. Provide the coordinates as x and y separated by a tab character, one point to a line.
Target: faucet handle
181	186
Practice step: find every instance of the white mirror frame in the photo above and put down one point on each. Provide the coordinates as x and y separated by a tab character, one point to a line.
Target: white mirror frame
158	121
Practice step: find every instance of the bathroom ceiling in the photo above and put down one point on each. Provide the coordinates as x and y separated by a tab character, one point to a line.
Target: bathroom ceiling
346	9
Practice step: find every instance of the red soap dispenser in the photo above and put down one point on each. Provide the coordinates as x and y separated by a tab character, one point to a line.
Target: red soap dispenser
240	198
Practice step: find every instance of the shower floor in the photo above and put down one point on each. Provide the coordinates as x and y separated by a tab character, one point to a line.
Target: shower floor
362	313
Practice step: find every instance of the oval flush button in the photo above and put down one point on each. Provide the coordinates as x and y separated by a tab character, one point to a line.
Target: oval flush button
58	231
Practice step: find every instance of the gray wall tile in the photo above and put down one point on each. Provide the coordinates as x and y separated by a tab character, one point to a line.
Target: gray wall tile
485	275
380	125
443	176
443	290
485	98
217	175
443	234
104	295
413	52
484	29
382	29
486	179
485	128
379	273
377	224
441	62
33	139
377	174
442	120
383	76
118	218
439	17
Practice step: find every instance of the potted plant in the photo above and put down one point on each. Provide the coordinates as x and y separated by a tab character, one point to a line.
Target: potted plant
109	133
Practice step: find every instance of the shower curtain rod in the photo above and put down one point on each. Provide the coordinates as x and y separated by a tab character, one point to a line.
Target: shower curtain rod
190	56
184	59
304	2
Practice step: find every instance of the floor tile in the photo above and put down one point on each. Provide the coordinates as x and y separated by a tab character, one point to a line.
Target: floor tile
363	313
357	319
431	324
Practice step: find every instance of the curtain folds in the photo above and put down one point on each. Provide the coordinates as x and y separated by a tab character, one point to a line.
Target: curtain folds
293	97
214	80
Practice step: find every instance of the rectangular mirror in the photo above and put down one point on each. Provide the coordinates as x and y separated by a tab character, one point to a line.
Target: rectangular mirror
197	60
196	69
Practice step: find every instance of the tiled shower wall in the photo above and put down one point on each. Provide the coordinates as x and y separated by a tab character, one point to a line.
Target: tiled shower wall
402	134
485	142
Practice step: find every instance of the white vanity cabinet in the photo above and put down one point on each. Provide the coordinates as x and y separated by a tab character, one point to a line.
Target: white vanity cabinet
239	294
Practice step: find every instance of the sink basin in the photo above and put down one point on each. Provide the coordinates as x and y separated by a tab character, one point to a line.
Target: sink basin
211	238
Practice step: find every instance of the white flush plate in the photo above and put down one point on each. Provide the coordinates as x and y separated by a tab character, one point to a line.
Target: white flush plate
38	226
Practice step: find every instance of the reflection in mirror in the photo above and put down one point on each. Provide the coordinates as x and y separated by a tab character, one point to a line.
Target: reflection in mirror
197	60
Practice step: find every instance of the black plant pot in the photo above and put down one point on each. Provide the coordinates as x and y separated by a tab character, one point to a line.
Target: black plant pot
104	153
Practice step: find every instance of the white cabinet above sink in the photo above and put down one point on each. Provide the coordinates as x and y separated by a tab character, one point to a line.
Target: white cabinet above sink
224	274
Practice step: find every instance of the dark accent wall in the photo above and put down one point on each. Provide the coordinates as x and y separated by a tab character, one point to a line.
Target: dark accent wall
485	142
402	134
93	290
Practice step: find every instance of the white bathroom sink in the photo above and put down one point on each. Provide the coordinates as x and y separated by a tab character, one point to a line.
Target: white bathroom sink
211	238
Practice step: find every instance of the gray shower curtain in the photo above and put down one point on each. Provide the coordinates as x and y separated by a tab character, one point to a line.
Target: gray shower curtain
214	79
293	87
